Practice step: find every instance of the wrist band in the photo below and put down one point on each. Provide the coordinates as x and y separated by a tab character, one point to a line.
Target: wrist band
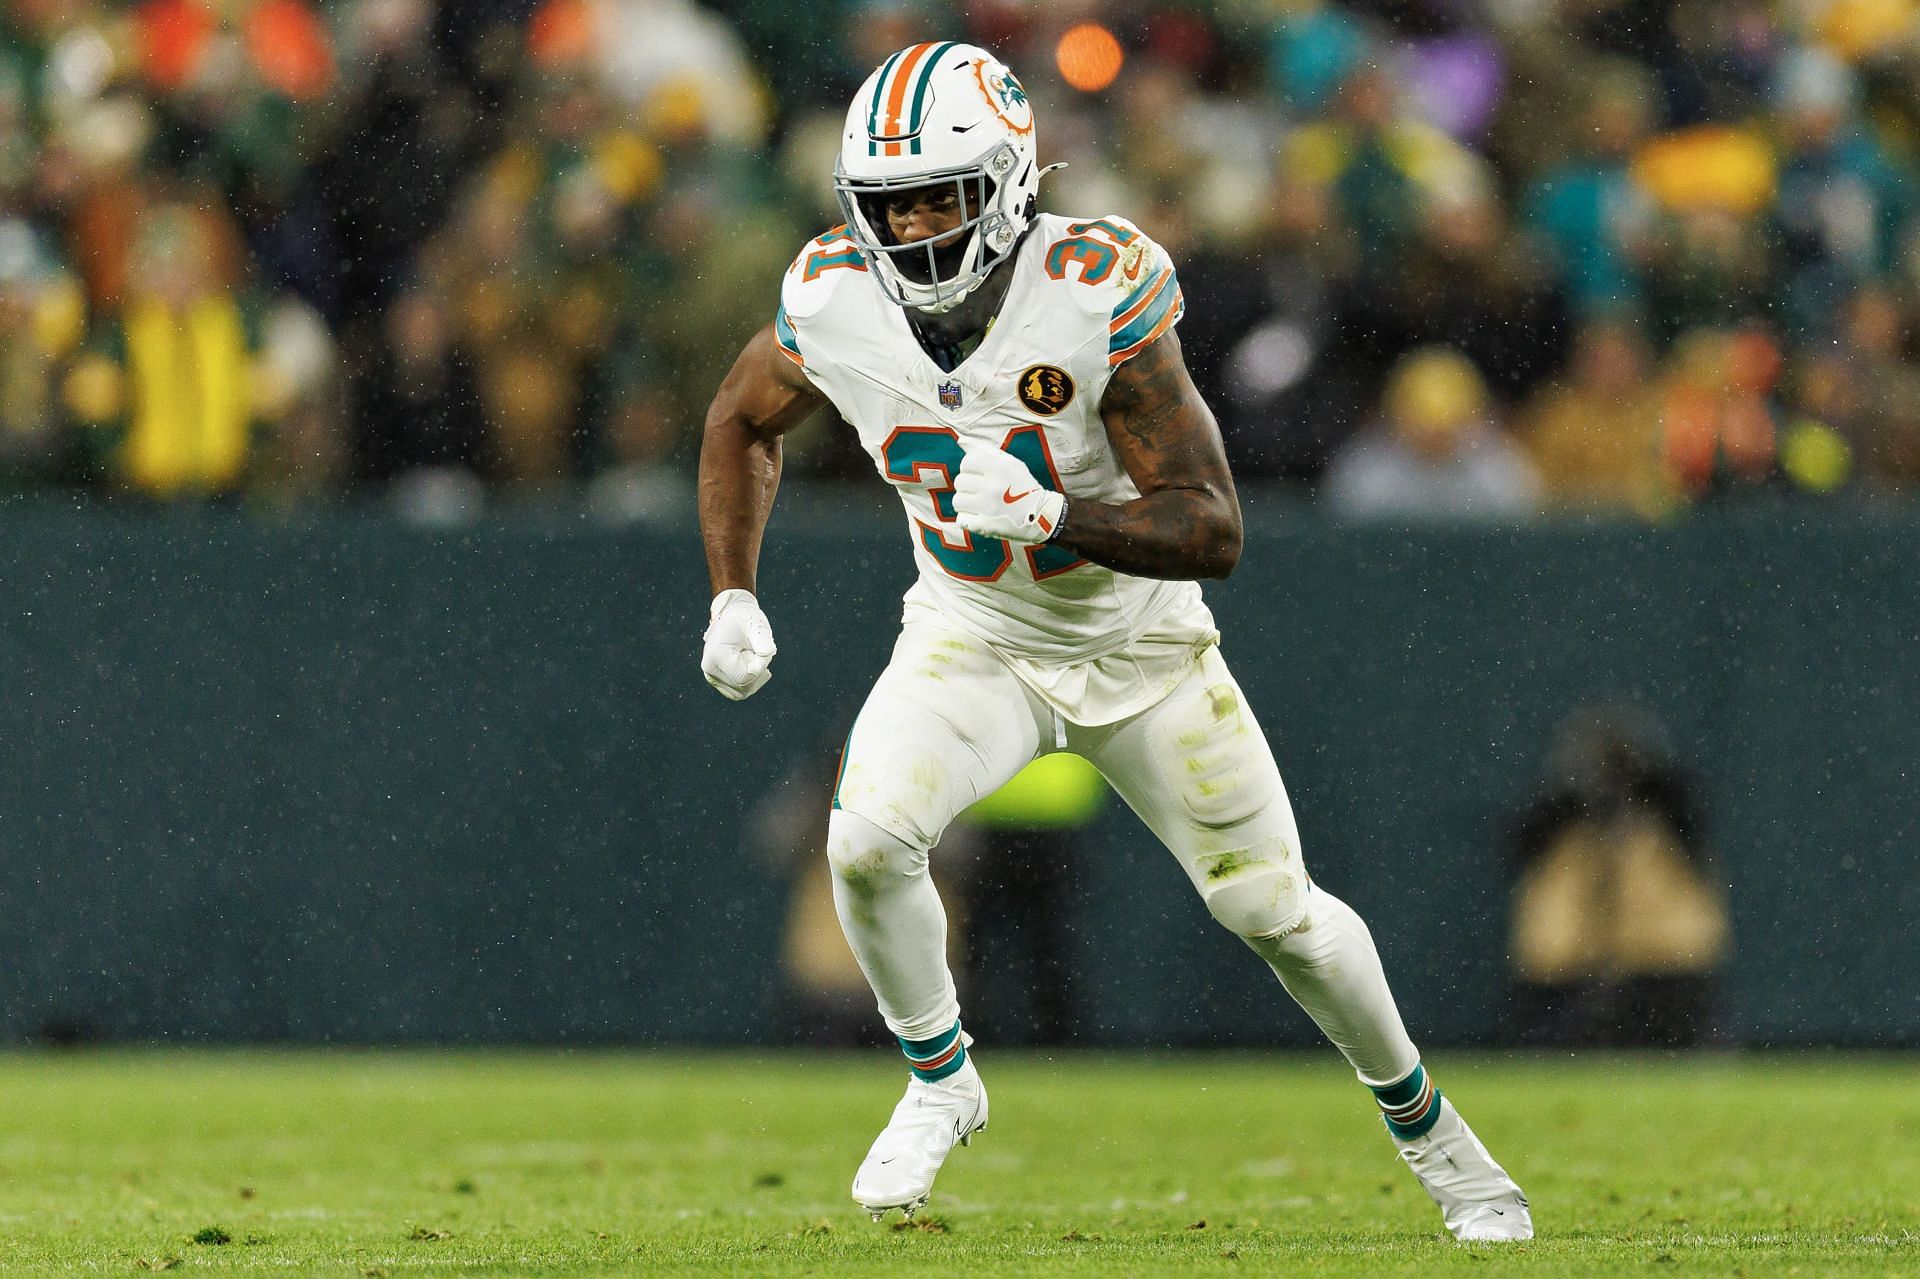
1059	523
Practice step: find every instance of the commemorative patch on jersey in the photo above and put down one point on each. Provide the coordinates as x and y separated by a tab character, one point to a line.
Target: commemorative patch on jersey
1046	388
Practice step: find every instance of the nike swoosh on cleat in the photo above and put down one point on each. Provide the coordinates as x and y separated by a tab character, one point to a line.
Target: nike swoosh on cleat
885	1162
1011	497
1497	1212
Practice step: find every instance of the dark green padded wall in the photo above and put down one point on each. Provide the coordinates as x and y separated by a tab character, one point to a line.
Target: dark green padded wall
349	780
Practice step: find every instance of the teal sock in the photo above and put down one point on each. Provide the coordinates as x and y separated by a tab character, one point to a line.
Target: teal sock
934	1059
1410	1107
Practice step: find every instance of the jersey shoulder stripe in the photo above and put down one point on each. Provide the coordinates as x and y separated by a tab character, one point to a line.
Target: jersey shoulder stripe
784	336
1153	307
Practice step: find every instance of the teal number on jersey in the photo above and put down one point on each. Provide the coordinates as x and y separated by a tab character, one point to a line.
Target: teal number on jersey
930	455
1096	256
1029	444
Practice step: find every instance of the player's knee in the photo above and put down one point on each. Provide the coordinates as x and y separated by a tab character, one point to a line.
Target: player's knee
902	787
862	854
1255	893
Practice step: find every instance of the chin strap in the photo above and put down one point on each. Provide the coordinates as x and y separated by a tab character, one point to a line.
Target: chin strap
941	308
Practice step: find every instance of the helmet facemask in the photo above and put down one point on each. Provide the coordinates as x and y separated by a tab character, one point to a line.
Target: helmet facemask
937	273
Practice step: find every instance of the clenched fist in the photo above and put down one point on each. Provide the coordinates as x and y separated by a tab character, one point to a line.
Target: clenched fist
995	495
740	648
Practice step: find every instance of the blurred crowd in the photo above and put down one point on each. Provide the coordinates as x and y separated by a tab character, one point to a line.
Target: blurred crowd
1453	257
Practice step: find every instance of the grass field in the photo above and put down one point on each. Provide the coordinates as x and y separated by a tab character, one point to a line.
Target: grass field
531	1163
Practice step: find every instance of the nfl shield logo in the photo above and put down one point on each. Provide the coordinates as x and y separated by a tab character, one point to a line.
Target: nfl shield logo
949	395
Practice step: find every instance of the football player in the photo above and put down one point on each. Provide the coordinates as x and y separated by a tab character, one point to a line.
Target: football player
1015	376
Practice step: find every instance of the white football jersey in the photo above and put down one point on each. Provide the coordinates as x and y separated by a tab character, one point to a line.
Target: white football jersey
1085	296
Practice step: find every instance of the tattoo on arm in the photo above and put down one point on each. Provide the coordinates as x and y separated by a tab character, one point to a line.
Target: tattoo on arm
1148	391
1186	521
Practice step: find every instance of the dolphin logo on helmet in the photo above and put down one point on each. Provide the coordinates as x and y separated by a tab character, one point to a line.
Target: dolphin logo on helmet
934	113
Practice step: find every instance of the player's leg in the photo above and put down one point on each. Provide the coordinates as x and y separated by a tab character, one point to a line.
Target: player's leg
946	724
1199	772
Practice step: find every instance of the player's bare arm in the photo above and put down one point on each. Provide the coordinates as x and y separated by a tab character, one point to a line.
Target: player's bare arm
762	398
1186	521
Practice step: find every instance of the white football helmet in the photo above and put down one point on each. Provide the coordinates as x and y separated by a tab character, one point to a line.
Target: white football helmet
938	112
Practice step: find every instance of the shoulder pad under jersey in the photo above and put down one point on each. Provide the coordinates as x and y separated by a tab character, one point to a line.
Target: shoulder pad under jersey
1114	270
827	262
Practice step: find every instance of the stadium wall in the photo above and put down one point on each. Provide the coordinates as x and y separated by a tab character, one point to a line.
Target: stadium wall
355	781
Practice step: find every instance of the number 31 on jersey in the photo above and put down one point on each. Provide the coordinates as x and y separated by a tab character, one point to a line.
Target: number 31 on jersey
930	456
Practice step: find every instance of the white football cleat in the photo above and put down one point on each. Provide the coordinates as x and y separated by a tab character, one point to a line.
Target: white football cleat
1480	1203
906	1156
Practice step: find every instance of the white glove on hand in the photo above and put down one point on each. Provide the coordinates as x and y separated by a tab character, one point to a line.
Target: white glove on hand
739	647
995	495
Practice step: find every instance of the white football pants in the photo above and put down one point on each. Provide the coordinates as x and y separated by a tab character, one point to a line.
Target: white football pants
948	723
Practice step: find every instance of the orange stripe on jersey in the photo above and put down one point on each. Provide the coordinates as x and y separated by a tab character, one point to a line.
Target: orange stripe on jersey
1166	322
1147	295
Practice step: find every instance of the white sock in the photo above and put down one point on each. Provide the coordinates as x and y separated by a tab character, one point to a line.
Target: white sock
1330	967
895	924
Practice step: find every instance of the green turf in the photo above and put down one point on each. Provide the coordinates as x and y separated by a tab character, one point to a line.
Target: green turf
367	1164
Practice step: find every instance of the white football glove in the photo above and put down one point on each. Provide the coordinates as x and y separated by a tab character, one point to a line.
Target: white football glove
739	647
995	495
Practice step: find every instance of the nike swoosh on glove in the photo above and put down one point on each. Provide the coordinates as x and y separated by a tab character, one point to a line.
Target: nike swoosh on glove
739	645
995	495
